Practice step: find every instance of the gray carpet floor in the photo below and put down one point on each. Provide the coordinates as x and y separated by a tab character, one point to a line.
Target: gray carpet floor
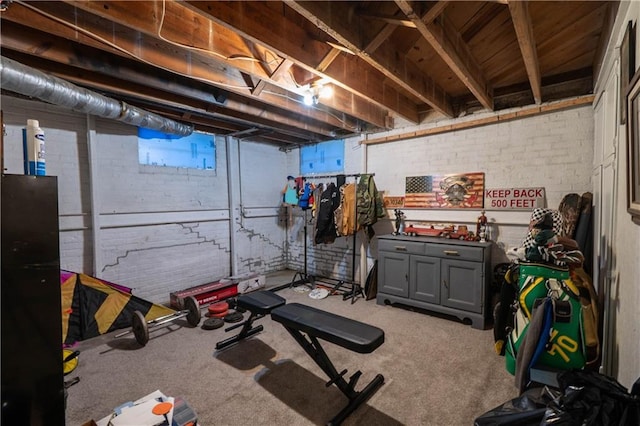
437	370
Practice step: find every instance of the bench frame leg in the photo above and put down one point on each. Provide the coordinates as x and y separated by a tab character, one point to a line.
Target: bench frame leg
314	349
247	331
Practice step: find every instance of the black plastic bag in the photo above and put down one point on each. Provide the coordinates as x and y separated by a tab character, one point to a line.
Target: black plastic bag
526	410
593	399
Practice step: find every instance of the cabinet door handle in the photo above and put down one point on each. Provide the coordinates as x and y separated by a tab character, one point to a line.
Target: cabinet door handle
445	284
401	248
451	252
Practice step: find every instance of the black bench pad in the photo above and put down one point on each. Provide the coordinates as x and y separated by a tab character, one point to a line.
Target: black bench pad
346	332
260	302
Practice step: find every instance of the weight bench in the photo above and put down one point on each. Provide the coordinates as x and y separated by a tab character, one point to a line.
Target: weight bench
308	324
259	304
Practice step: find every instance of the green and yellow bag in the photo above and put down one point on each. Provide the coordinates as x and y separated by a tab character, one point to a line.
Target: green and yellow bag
569	339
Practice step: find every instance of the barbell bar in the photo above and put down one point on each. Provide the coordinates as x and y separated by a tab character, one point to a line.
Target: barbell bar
140	326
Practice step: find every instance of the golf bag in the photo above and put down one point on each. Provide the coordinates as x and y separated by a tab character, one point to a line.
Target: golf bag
555	321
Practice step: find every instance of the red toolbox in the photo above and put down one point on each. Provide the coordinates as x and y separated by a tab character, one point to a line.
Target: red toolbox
204	294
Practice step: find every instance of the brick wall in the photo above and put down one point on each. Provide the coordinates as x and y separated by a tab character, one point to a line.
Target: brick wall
151	241
160	229
552	150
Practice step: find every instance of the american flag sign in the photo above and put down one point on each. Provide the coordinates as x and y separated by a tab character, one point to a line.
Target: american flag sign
464	190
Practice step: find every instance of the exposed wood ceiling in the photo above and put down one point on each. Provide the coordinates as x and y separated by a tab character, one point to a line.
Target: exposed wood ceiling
242	67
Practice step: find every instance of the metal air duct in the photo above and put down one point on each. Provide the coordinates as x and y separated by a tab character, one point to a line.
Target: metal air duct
28	81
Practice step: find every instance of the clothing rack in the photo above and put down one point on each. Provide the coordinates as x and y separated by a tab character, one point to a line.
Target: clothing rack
303	278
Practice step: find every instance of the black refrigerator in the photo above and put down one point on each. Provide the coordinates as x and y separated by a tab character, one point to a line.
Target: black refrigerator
31	339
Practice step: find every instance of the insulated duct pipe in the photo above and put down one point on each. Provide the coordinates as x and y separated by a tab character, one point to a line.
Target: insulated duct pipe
28	81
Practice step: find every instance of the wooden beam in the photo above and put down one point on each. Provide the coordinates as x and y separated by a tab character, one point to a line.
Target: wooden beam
328	59
496	118
379	38
386	58
450	46
98	66
526	39
435	11
266	24
199	39
388	29
147	50
280	70
389	19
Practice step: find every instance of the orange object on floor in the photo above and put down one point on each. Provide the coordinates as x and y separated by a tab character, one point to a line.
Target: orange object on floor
219	314
216	308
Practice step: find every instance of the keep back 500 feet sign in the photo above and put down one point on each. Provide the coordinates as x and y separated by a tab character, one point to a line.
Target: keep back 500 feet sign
514	198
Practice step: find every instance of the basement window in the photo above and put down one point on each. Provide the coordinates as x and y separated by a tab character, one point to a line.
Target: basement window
196	151
324	157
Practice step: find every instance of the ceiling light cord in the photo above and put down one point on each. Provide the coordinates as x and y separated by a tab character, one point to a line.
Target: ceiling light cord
125	51
199	49
128	53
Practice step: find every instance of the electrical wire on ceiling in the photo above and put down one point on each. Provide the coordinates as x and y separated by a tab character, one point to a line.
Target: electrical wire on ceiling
138	58
200	49
123	50
277	60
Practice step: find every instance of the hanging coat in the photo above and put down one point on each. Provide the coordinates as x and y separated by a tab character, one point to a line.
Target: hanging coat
369	204
325	225
346	221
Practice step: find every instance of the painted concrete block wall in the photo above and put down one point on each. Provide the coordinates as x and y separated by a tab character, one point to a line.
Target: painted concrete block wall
155	260
126	186
153	257
260	241
334	260
552	150
67	158
160	229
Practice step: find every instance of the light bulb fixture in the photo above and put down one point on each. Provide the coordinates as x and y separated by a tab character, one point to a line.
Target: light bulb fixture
315	92
325	92
308	99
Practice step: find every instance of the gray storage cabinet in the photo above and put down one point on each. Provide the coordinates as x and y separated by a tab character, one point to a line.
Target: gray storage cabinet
437	274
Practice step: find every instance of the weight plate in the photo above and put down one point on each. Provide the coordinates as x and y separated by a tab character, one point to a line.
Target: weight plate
69	360
234	317
216	308
192	305
219	314
212	323
140	328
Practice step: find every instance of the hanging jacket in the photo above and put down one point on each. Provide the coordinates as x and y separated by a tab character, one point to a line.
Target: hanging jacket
369	204
325	225
346	221
306	195
290	193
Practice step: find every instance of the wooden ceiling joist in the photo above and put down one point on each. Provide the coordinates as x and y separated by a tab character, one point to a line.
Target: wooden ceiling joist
287	38
385	58
224	51
524	31
243	67
448	43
